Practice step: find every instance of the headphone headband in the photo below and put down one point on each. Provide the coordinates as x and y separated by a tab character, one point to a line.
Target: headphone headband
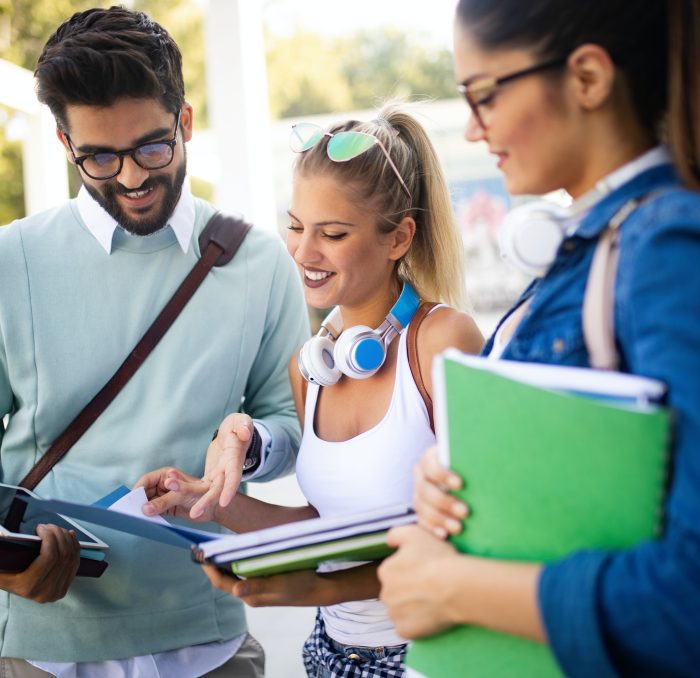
406	305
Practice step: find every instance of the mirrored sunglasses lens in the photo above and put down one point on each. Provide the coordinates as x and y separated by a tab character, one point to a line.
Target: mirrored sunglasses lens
304	135
348	145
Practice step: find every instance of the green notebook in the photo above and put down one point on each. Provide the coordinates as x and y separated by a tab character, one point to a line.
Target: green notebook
352	549
304	544
555	459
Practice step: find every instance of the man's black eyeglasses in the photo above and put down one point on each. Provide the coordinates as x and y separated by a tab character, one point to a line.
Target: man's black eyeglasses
481	91
107	164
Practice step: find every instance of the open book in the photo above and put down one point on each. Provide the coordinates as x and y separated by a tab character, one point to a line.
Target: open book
299	545
555	459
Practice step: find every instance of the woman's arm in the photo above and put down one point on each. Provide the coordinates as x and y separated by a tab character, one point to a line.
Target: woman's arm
303	588
428	587
173	492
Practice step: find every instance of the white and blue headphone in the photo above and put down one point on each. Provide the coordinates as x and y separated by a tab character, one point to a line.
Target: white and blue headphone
358	351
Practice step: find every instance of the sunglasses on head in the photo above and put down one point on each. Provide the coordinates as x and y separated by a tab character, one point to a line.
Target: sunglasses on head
342	146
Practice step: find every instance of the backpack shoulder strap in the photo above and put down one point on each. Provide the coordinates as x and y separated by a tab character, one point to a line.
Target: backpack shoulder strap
413	362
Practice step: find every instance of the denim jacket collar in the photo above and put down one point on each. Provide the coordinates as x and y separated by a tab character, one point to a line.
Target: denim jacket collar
597	219
599	216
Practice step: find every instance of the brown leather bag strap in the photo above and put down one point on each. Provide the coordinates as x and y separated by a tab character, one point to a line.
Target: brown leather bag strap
218	242
413	362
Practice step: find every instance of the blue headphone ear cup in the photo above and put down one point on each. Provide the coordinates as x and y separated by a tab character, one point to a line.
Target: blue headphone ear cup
359	352
316	362
530	236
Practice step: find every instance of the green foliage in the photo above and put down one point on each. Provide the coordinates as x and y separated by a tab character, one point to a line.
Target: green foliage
308	74
184	20
33	21
383	63
305	76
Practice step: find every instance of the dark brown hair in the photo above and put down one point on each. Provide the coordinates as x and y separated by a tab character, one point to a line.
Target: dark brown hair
101	55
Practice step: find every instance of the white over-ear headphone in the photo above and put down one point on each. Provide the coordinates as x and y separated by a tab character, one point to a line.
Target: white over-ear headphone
530	235
357	352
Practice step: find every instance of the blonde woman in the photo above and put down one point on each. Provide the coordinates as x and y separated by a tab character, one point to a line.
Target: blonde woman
372	232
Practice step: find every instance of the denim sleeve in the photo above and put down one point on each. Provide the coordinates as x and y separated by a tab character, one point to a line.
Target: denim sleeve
643	605
567	597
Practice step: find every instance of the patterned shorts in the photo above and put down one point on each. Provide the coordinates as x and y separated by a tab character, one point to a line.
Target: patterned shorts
325	658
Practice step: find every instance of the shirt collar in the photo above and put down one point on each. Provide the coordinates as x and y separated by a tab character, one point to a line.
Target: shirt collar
102	225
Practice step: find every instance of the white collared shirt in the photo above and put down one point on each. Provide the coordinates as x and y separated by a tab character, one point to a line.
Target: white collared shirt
103	225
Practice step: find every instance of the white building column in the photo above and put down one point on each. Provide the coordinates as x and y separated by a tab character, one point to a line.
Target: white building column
45	169
239	118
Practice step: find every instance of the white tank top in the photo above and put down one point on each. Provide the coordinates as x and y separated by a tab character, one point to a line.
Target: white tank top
370	470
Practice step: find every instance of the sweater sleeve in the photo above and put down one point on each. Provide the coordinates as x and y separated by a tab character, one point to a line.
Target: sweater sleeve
640	609
268	396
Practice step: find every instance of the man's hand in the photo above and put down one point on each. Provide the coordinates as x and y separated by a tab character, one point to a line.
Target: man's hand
50	575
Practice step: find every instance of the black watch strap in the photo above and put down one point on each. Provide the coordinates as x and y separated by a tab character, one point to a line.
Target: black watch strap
253	456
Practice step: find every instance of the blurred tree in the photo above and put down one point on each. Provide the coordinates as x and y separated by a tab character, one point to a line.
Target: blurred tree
305	76
383	63
308	74
184	20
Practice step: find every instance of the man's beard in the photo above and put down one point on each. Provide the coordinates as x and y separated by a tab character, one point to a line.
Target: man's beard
106	197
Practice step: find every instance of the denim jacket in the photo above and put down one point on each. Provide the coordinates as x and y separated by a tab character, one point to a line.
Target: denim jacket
634	612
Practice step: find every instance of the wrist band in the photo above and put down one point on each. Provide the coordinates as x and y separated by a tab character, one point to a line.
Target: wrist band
254	454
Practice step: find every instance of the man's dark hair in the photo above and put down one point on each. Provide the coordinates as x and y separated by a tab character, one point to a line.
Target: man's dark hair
101	55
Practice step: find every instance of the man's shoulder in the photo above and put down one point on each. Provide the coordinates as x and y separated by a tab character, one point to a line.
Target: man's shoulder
36	225
259	242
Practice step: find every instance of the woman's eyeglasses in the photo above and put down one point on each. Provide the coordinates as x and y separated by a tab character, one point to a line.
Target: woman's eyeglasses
480	92
107	164
342	146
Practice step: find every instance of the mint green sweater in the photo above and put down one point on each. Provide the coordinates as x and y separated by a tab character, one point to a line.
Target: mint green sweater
69	314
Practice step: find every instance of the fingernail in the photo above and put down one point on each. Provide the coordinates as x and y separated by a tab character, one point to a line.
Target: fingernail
454	482
172	485
195	512
453	526
149	510
459	509
440	532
